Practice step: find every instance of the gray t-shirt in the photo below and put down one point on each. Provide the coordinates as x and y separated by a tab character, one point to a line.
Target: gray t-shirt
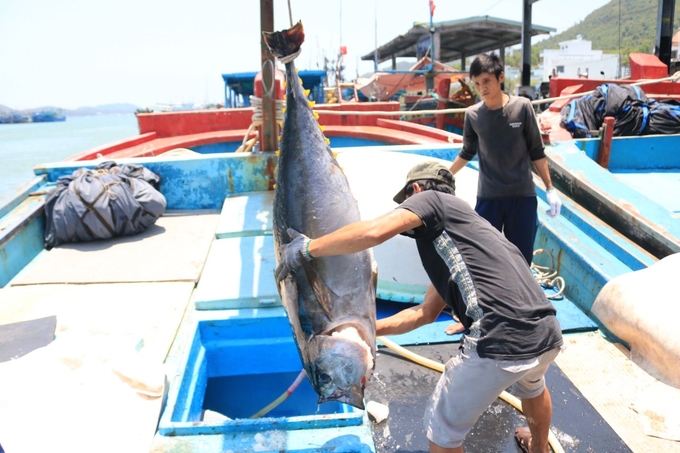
484	278
506	141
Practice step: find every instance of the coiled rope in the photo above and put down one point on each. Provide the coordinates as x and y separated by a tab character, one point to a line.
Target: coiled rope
547	275
257	118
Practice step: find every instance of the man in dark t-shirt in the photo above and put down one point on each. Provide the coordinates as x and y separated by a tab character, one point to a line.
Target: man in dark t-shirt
502	132
512	334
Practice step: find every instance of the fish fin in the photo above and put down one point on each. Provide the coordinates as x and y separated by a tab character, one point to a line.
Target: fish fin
289	294
375	277
286	42
374	269
322	292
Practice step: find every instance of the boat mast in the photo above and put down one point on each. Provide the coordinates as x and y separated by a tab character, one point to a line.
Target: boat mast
269	126
429	75
375	52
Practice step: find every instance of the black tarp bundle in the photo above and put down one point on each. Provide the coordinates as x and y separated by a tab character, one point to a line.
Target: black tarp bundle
634	113
100	203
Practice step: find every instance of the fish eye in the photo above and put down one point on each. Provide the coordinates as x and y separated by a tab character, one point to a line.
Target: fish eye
324	378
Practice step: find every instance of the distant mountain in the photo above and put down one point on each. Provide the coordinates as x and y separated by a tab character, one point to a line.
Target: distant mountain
107	109
623	26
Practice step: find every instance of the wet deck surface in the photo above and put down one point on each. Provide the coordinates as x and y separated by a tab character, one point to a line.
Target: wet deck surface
405	387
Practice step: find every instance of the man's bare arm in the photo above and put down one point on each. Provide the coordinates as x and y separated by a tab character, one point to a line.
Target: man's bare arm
457	164
543	171
365	234
413	317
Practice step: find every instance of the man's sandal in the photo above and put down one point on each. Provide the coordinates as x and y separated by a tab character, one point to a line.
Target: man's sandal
522	437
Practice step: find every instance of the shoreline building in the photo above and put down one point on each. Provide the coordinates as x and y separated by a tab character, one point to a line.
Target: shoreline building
575	58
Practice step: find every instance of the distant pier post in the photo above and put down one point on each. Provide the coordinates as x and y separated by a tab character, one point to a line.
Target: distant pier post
664	32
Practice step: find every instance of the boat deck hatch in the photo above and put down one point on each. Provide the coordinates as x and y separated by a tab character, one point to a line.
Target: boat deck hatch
235	367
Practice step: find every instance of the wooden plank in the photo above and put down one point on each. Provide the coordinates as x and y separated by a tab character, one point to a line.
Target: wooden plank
173	249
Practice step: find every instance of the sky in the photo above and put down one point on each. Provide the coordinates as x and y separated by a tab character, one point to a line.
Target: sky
75	53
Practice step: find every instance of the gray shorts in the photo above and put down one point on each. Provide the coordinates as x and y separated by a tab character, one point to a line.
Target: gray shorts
470	384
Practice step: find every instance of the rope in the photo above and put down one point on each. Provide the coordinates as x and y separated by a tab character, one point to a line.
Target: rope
392	113
674	78
257	118
107	185
418	102
256	103
547	276
269	66
288	58
257	114
290	14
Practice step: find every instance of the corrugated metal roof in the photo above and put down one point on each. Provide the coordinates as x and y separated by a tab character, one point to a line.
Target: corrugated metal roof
470	36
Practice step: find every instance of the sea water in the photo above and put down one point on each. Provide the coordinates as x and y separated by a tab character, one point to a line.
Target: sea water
25	145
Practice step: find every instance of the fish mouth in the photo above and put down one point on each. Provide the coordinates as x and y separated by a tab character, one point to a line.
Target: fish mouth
352	396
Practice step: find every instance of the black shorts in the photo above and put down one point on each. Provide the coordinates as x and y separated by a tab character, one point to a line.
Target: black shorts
516	218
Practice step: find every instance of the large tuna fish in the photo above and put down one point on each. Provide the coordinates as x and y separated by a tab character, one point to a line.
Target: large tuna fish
331	300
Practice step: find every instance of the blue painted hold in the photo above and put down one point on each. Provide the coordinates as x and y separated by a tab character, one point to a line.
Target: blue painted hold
236	365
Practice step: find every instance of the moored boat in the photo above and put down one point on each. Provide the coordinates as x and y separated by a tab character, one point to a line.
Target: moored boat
175	338
47	116
214	325
14	117
630	181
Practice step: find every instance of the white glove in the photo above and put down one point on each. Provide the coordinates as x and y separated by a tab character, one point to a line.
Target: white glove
554	202
292	254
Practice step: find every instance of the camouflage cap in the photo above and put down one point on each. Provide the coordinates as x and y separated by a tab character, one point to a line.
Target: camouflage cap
426	170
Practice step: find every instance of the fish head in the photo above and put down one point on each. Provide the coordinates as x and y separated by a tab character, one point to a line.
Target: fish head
341	369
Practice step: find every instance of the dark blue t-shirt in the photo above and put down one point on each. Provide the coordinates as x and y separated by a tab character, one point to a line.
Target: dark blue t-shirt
484	278
506	141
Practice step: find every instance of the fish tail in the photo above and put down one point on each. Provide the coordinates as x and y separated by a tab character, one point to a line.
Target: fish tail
285	45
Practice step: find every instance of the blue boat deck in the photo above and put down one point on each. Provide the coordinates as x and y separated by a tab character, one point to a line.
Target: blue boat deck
661	186
189	311
636	193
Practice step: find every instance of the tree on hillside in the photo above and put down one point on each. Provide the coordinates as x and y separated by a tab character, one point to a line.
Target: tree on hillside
619	27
